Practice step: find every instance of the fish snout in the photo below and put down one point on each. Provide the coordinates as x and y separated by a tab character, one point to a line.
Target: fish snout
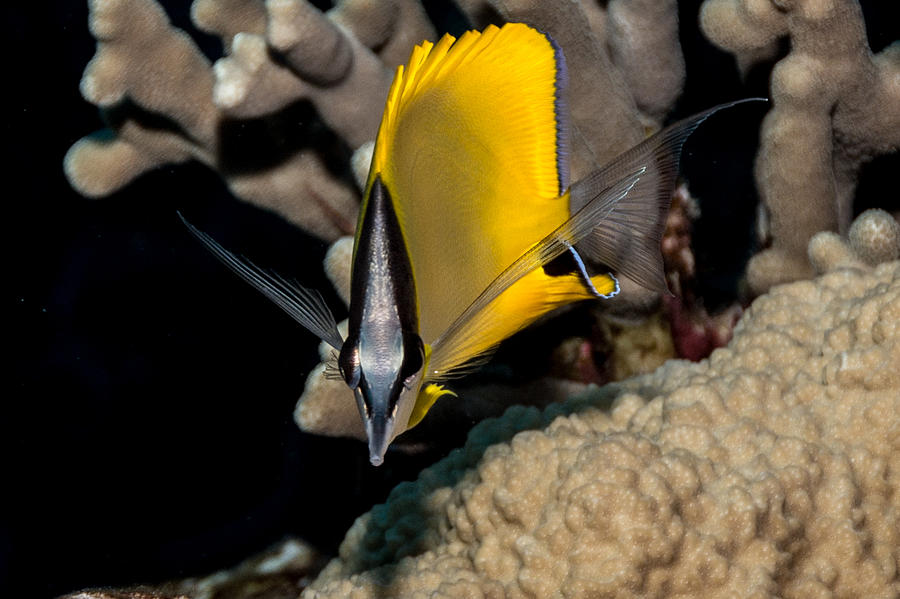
380	431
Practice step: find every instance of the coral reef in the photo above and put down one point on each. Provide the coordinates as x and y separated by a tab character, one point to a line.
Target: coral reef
770	468
835	105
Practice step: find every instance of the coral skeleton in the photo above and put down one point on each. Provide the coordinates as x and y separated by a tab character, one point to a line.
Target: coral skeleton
278	572
145	71
835	106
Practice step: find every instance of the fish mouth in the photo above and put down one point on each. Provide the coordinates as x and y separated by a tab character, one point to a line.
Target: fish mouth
379	430
379	423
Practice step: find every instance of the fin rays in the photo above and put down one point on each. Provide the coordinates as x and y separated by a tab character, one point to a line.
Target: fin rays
628	239
449	351
306	306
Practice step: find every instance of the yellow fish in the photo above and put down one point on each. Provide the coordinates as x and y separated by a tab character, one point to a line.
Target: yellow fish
469	230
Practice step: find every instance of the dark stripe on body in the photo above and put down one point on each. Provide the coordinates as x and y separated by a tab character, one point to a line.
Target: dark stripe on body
381	251
561	110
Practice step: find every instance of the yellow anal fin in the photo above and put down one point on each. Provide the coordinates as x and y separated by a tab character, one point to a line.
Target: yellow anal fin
429	394
526	300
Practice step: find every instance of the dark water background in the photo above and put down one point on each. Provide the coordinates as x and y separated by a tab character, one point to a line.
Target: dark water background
147	428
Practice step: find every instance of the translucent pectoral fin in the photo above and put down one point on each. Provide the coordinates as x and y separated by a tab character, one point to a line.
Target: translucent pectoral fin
628	238
306	306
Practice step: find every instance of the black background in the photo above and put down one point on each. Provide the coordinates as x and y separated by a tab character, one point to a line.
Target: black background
147	430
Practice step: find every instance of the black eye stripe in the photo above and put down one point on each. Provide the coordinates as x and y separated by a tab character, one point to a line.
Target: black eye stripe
348	362
413	355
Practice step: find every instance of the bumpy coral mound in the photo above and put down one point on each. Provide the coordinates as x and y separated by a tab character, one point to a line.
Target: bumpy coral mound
772	468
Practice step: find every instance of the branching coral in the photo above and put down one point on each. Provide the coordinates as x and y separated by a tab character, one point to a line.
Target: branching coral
771	468
166	104
835	106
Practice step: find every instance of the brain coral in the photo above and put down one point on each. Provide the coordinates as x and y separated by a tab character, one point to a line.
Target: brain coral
770	469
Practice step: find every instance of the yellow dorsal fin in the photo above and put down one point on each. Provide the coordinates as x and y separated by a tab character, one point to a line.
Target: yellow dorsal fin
471	151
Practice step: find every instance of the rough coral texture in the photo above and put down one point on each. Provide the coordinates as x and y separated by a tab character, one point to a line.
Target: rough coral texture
835	105
770	469
875	236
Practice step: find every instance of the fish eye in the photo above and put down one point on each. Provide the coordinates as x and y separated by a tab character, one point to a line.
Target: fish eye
348	363
413	359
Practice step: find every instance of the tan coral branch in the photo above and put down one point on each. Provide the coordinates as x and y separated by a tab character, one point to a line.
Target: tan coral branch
347	83
835	106
643	44
227	18
390	28
169	105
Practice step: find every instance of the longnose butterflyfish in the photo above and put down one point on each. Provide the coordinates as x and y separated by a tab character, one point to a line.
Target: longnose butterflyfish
469	230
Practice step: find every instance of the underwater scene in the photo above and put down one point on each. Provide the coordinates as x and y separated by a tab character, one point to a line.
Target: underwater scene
454	298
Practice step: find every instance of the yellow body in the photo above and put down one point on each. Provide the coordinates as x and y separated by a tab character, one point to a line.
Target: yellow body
469	148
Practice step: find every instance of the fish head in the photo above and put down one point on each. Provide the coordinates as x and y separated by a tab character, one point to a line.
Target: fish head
385	373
